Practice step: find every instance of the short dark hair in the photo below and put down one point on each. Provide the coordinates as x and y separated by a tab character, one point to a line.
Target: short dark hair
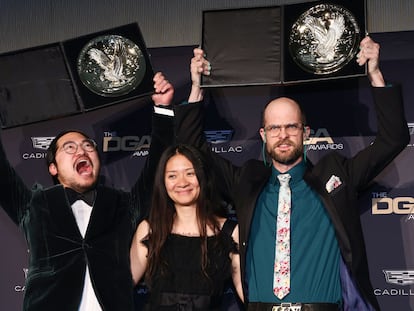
51	151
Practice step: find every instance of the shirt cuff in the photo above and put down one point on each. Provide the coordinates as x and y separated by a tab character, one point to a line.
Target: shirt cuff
164	111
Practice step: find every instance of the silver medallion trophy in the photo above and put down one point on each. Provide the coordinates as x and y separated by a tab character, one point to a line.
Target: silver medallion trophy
111	65
324	39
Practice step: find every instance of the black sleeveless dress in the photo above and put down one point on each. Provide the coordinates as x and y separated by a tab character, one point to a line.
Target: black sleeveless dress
181	284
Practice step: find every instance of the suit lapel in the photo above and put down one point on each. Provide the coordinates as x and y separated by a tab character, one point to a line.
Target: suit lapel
61	216
255	183
63	220
103	212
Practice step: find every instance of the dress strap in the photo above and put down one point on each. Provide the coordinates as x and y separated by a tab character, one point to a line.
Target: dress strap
229	226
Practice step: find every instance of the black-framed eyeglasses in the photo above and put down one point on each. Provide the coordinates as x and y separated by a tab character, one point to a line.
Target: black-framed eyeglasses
70	147
290	129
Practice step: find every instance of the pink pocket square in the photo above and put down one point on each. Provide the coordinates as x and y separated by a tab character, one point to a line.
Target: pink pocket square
333	183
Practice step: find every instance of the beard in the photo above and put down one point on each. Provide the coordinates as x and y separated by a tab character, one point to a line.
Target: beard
286	158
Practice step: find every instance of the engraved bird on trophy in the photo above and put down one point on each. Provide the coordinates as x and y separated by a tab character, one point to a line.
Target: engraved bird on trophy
112	64
326	30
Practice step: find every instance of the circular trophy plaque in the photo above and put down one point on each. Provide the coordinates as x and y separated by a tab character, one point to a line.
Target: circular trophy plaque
111	65
324	39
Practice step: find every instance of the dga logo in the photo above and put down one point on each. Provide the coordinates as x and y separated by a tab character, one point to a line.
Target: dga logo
399	277
321	140
41	142
411	129
384	205
139	145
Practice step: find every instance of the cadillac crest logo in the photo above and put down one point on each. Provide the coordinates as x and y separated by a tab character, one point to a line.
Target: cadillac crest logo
399	277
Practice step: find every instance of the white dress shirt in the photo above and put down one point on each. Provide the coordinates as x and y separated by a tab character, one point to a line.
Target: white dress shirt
89	302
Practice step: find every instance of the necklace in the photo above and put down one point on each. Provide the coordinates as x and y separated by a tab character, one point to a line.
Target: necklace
184	233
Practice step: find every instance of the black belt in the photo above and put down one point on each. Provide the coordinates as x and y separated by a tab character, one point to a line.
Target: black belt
263	306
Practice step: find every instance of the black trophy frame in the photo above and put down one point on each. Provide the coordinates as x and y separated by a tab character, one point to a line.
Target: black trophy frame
87	98
292	72
35	85
42	83
250	46
237	50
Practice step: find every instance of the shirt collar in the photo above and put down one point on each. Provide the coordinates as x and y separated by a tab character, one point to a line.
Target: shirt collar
295	172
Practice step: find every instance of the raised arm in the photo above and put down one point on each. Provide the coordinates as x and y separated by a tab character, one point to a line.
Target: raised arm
163	90
199	65
14	194
392	130
162	136
190	118
369	53
189	123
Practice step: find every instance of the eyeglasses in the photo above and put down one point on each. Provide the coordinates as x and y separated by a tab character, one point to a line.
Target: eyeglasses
290	129
70	147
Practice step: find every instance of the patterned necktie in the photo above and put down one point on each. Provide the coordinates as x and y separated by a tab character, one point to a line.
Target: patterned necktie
281	277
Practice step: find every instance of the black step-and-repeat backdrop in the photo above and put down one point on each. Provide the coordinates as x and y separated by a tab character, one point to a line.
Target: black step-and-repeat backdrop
341	116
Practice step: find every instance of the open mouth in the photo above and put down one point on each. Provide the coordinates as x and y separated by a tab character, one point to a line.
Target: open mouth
83	167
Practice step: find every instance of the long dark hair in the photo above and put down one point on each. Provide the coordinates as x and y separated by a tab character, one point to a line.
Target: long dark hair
161	215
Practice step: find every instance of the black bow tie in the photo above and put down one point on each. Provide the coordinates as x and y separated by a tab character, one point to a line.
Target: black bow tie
88	196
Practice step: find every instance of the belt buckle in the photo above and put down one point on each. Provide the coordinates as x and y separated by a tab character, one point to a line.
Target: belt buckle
287	306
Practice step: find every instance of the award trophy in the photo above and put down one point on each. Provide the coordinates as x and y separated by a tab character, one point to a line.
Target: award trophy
324	39
321	40
74	76
111	65
286	44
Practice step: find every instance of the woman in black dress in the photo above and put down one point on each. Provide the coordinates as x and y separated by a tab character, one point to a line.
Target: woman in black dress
187	249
